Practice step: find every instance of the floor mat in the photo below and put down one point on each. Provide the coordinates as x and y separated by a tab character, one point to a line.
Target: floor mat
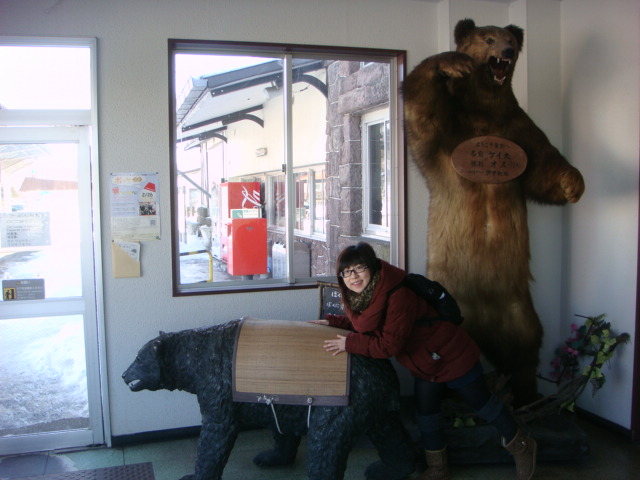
138	471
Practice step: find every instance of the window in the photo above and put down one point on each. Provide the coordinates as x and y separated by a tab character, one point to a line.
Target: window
377	173
277	219
310	201
269	151
66	88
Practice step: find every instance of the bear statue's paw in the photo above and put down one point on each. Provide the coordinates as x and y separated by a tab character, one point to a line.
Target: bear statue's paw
381	471
274	458
572	185
454	64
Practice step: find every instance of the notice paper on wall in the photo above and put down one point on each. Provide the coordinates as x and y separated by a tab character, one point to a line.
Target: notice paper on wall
125	259
135	212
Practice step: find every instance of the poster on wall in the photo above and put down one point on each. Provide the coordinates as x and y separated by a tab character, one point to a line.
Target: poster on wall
134	206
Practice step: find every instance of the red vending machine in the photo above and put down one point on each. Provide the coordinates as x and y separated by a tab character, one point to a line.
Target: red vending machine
243	238
248	246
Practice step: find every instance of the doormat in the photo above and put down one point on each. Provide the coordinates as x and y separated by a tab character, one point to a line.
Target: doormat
137	471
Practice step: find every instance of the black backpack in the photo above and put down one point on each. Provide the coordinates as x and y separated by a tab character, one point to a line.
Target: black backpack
437	296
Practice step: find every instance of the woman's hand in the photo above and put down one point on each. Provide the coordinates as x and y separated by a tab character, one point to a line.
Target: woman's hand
336	346
319	322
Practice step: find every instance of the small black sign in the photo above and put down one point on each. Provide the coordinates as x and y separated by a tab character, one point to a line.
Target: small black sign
330	299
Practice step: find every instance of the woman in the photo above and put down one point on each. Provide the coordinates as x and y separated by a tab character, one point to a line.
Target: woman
388	321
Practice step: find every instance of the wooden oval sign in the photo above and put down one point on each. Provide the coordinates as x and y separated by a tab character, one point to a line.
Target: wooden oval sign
489	159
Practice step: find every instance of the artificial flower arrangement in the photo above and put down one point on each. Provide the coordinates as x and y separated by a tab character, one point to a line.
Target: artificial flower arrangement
595	340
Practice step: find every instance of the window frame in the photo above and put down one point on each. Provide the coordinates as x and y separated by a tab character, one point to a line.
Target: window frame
272	215
397	237
77	125
377	117
310	179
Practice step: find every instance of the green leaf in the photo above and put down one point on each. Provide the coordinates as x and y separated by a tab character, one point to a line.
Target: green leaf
568	405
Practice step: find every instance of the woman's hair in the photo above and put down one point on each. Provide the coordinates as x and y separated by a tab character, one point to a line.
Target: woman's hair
360	254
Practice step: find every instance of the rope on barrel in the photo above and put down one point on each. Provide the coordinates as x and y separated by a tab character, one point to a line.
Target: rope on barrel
269	401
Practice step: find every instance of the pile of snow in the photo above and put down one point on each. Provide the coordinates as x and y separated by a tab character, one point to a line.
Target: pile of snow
43	371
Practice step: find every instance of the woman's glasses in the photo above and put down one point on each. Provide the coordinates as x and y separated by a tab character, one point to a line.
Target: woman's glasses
347	272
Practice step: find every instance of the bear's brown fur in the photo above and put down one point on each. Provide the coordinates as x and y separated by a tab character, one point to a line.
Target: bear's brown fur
478	239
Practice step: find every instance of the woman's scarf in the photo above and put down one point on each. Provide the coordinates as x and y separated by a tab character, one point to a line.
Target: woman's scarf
360	301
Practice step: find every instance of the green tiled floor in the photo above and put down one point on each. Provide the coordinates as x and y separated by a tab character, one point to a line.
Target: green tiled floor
174	458
612	457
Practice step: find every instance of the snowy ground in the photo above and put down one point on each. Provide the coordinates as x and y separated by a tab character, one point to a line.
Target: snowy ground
195	268
42	363
43	375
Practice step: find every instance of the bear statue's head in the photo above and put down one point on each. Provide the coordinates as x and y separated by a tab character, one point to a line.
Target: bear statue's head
145	373
495	50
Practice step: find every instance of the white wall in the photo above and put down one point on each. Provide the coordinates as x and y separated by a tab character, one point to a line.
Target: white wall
597	62
601	95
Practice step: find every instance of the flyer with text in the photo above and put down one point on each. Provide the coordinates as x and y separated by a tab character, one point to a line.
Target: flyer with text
135	206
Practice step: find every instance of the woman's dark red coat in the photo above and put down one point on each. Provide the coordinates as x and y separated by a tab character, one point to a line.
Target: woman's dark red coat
439	352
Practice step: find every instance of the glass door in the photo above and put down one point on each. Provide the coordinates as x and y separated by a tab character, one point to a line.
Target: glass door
49	366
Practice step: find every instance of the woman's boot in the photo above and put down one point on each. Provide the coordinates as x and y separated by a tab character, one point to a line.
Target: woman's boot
437	468
523	448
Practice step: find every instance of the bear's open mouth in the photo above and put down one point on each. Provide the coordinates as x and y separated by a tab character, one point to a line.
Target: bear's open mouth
499	68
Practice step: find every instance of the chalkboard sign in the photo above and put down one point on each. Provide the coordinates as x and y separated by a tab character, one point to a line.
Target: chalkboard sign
329	299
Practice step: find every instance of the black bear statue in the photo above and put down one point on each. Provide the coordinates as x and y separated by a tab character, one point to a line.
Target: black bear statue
199	361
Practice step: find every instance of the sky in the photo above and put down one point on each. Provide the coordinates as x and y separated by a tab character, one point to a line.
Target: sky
45	77
60	77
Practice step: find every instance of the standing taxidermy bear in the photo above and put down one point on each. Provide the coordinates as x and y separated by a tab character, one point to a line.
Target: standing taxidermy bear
478	239
200	361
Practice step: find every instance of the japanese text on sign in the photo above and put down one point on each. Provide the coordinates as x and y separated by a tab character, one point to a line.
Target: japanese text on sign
134	206
25	229
29	289
489	160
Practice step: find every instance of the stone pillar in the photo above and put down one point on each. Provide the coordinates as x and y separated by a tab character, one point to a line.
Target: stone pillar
353	90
